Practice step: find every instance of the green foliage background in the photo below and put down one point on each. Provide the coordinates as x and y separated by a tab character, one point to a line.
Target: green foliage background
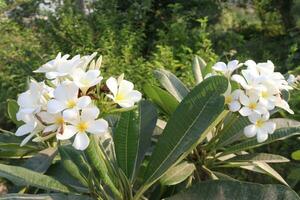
137	36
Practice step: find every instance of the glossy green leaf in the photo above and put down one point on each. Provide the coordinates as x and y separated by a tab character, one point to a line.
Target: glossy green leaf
126	141
197	114
166	102
177	174
279	134
74	163
171	83
265	157
12	109
228	190
132	137
22	177
148	118
234	125
97	161
41	161
15	151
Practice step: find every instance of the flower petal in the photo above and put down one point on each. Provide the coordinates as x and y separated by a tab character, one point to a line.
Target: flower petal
81	141
47	117
112	85
250	131
234	106
261	136
125	87
25	129
83	102
55	106
220	66
233	65
245	111
270	127
125	103
50	129
134	96
67	132
98	126
90	113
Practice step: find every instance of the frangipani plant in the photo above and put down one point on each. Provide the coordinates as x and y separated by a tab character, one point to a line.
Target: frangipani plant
111	144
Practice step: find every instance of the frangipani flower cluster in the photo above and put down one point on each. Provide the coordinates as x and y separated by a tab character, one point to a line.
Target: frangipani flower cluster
260	92
66	107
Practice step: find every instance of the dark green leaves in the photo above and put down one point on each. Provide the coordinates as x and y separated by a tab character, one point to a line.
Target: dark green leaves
21	176
132	137
166	102
228	190
196	115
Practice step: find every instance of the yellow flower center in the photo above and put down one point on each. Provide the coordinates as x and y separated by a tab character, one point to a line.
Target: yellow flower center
252	106
59	120
82	126
259	123
228	99
265	94
85	81
71	104
120	97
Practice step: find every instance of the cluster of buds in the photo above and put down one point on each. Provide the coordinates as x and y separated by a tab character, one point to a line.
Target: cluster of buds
259	92
65	104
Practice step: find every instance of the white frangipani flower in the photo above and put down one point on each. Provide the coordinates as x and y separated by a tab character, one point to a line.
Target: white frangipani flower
85	80
249	80
122	92
83	123
55	122
60	66
260	127
228	69
232	99
66	99
267	98
251	105
31	127
34	99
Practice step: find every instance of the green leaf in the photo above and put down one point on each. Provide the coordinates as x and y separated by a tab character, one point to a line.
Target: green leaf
177	174
41	161
270	171
97	161
148	117
234	125
265	157
132	137
12	109
197	114
74	163
126	141
15	151
22	176
198	65
279	134
228	190
166	102
171	83
51	196
296	155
